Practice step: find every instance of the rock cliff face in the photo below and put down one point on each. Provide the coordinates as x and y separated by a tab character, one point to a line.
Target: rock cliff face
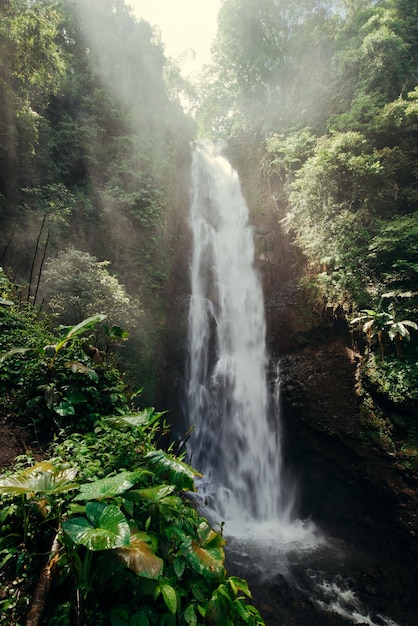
324	433
349	485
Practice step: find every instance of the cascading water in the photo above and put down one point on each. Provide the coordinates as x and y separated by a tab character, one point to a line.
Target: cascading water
234	444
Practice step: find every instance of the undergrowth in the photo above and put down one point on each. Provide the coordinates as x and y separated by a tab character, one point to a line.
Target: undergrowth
102	530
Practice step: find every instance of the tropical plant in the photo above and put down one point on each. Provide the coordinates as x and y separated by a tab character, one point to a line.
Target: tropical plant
374	325
37	487
378	323
399	333
62	380
132	536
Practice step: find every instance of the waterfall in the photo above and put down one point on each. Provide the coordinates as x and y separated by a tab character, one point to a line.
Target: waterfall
235	441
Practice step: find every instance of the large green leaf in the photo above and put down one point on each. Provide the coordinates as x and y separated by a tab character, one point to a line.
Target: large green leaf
241	608
173	470
108	487
170	597
87	324
147	417
190	615
104	529
206	555
239	585
42	478
151	495
218	609
139	619
80	328
140	558
80	368
119	616
209	538
209	563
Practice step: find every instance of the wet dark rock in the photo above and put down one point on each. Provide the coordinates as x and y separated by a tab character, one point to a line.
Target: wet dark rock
352	487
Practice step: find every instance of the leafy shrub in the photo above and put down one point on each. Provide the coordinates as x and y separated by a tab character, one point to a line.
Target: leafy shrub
396	380
133	548
54	382
78	285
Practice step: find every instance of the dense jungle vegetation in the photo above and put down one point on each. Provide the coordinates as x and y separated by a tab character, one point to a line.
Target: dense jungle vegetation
318	101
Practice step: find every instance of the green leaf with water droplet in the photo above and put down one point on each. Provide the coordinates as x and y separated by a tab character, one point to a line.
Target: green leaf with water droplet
108	487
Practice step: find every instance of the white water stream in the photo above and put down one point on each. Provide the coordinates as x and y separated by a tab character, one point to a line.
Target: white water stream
235	443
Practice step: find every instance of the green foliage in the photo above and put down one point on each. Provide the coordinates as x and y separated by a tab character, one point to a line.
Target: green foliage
393	257
290	151
265	74
374	325
371	58
108	487
396	380
205	554
330	212
102	451
345	178
104	528
166	564
132	548
177	472
170	562
51	382
383	324
90	157
376	426
140	556
42	478
32	69
77	285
